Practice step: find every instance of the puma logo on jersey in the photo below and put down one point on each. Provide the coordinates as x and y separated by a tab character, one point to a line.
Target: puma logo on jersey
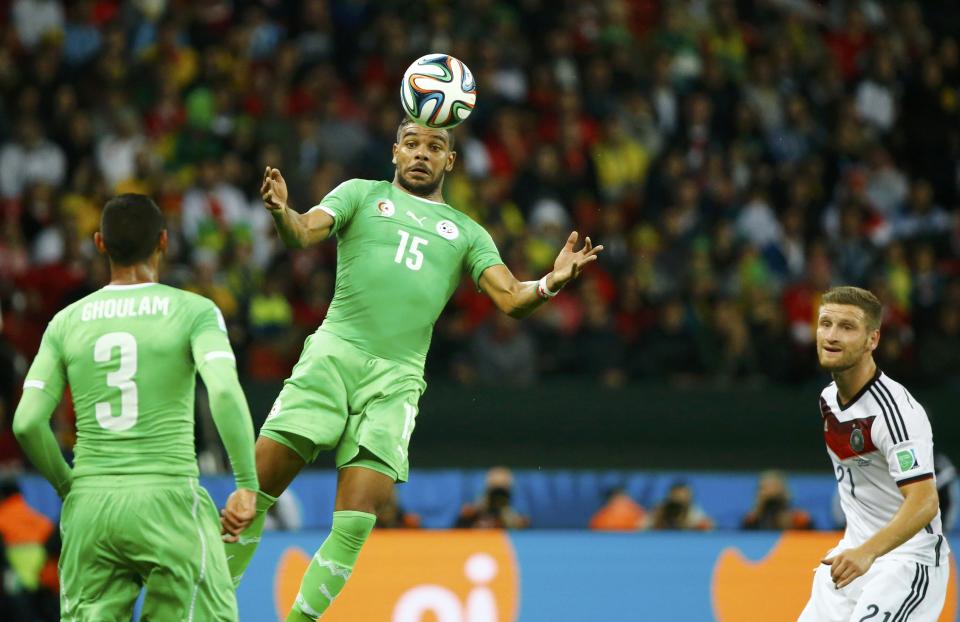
420	221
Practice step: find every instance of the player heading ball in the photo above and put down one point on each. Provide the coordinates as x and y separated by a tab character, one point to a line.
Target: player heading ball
401	254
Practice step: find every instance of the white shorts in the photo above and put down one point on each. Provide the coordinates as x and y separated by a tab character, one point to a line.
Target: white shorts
891	591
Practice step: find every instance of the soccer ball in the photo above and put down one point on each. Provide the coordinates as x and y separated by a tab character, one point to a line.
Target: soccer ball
438	91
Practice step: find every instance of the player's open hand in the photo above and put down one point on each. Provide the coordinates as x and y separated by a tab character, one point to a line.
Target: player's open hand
849	564
570	263
240	511
274	190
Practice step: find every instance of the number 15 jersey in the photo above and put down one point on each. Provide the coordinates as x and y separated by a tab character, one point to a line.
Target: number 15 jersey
877	442
399	260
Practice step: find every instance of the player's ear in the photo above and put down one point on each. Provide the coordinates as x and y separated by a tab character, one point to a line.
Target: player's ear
98	242
395	147
874	339
451	158
163	241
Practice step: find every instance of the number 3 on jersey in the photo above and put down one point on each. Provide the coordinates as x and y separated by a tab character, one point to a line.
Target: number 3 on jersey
415	260
121	379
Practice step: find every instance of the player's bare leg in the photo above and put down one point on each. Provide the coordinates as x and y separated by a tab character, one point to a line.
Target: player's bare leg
361	494
277	465
362	490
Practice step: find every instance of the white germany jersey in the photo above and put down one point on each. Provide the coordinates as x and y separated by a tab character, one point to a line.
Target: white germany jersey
879	441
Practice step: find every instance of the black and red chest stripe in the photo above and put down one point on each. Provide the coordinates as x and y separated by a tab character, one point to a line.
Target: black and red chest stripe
844	438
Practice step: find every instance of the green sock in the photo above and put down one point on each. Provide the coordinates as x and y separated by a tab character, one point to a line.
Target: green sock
331	566
240	553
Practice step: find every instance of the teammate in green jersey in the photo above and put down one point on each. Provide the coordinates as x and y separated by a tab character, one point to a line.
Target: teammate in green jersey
401	252
133	513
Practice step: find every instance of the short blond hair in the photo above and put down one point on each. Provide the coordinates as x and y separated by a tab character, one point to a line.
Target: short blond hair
857	297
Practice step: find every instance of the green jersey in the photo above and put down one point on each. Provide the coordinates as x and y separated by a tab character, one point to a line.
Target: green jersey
130	355
399	260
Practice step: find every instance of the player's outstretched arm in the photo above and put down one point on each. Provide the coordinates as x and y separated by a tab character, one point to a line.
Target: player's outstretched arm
519	298
216	363
295	229
31	426
231	415
920	506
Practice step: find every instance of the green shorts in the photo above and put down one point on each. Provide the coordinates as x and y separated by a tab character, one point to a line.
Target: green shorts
160	532
339	397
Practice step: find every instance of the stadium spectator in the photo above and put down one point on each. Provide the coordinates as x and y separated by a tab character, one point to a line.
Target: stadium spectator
32	158
728	352
771	508
493	510
670	351
120	148
36	21
677	511
502	353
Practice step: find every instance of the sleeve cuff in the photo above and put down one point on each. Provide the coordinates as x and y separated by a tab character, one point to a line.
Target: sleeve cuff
43	387
915	478
479	272
215	355
248	481
333	214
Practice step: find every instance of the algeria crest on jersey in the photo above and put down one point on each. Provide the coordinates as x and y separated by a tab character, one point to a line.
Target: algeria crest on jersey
448	230
386	208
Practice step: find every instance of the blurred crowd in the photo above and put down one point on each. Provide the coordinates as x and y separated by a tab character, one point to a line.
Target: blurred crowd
735	158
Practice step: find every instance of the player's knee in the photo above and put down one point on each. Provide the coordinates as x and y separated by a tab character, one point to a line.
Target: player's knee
350	530
361	502
373	501
363	490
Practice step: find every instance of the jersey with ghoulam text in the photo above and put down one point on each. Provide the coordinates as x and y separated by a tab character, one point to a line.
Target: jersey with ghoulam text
130	354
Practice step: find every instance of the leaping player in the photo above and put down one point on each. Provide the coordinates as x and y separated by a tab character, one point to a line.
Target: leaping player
401	252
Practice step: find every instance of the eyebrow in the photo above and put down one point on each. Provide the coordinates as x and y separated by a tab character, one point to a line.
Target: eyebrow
437	137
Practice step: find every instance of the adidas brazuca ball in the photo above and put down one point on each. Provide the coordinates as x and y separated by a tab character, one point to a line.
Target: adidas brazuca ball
438	91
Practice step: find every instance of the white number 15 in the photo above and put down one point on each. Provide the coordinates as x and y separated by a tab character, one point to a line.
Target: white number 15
415	261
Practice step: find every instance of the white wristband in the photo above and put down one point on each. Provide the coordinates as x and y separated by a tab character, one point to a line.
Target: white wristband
544	291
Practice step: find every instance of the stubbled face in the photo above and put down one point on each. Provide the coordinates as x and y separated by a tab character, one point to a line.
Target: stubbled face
843	337
422	156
